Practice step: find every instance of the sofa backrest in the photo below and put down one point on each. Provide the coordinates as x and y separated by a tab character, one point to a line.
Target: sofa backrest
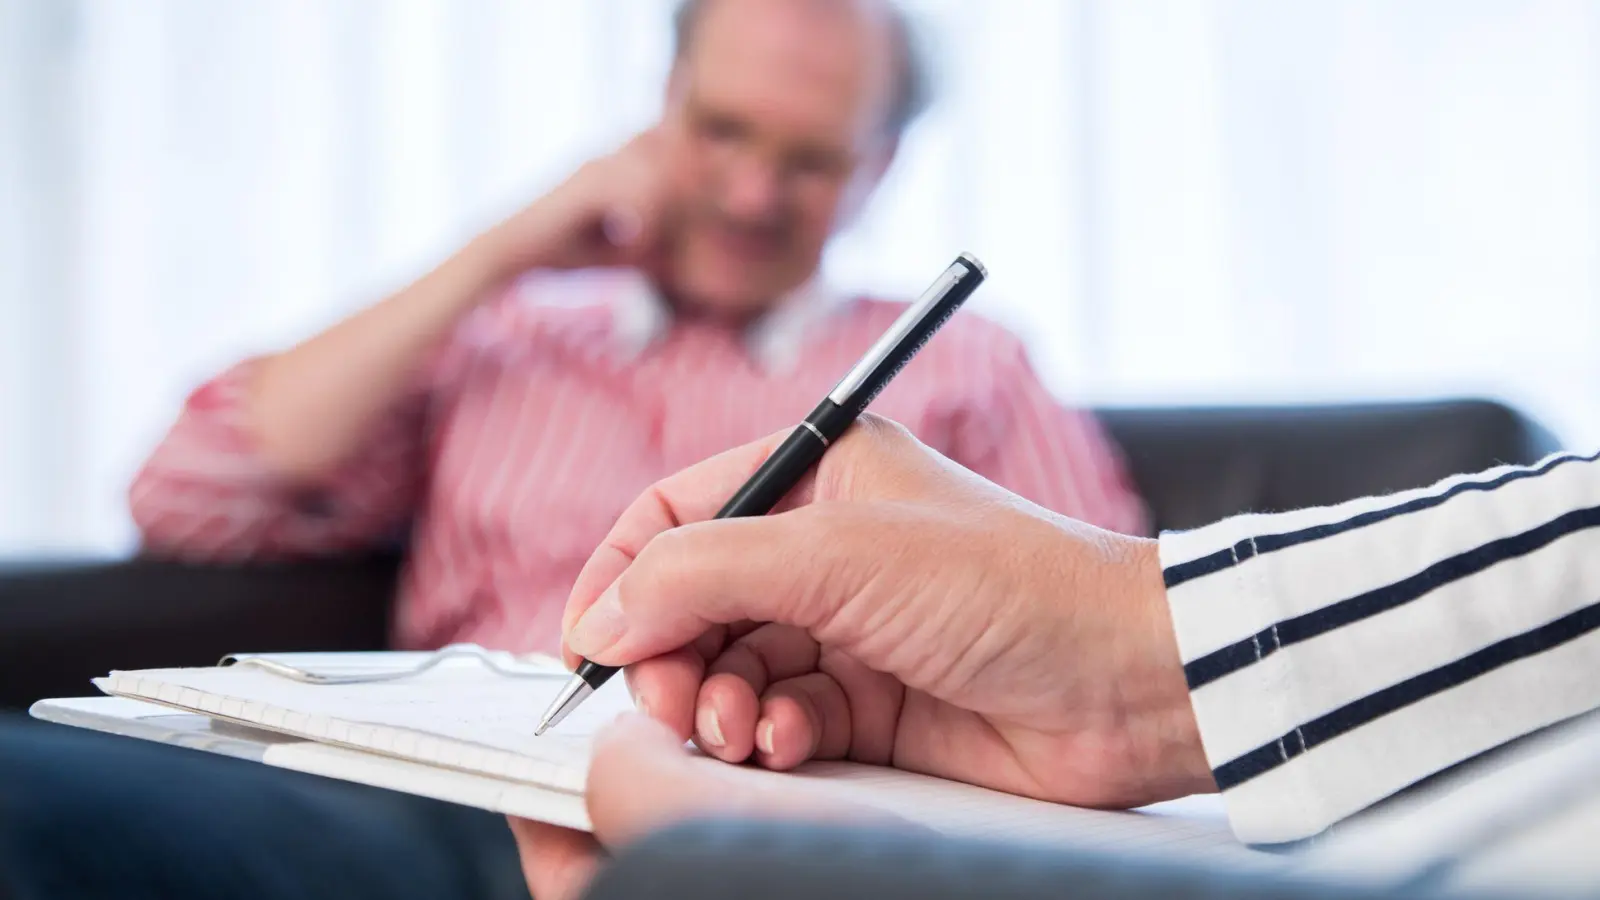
64	623
1196	465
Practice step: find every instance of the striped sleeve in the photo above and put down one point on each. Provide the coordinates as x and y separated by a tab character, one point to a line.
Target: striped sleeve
206	494
1337	655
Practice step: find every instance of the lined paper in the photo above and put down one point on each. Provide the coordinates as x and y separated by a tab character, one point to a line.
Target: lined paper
457	716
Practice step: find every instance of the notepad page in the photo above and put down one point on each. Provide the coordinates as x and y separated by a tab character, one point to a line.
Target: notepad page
458	716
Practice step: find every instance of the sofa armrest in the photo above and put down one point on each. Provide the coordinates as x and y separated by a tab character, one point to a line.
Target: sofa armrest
62	623
780	861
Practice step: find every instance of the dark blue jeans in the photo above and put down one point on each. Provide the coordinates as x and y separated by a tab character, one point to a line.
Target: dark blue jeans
86	815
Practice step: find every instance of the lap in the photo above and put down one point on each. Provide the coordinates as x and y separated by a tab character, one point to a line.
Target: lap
91	815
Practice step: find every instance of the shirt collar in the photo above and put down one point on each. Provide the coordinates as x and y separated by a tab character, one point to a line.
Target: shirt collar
640	316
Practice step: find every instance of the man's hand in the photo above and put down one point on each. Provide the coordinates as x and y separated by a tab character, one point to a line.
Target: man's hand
610	212
641	779
312	406
898	610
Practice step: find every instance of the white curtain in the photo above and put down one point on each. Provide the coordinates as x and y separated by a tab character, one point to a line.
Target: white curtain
1179	200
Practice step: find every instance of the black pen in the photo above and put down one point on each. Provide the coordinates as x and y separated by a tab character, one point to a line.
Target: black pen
806	444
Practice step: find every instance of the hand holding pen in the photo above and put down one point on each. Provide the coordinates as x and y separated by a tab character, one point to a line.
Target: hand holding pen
811	438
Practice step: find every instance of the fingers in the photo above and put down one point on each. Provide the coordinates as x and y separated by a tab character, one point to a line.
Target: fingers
624	226
803	718
773	694
729	704
633	183
726	713
665	688
843	710
766	654
875	701
640	176
766	698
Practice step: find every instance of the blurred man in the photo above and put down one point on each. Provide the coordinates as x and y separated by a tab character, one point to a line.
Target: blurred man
508	409
507	406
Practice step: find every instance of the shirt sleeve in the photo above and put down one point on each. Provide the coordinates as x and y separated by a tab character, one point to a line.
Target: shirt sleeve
1060	458
1337	655
206	494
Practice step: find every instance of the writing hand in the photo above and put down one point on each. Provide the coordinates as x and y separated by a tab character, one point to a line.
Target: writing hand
897	610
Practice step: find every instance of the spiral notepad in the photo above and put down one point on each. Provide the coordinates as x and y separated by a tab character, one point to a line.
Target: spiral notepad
453	717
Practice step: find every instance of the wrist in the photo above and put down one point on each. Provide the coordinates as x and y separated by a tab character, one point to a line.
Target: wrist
519	244
489	260
1176	761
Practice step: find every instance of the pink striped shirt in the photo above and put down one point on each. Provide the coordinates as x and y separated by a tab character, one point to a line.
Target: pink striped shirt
552	409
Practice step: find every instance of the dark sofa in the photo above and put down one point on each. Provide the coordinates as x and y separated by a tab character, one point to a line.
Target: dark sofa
63	622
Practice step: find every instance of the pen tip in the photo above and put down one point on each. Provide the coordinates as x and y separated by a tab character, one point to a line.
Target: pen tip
543	726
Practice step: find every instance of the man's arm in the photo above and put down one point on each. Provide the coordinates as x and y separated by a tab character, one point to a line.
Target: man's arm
208	493
1338	655
320	448
310	408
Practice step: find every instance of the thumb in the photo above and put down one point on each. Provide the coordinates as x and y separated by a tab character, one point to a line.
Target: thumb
793	568
640	778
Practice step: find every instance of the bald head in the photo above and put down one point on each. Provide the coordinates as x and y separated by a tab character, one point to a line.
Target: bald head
878	29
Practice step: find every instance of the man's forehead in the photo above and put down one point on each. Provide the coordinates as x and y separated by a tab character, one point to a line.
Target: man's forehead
833	55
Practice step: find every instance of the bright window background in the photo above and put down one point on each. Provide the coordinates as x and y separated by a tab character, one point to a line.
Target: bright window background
1179	200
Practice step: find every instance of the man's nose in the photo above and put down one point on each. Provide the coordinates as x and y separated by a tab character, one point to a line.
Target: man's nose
753	191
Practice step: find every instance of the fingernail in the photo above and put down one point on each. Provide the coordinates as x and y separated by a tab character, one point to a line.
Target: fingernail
710	727
639	703
764	731
599	627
